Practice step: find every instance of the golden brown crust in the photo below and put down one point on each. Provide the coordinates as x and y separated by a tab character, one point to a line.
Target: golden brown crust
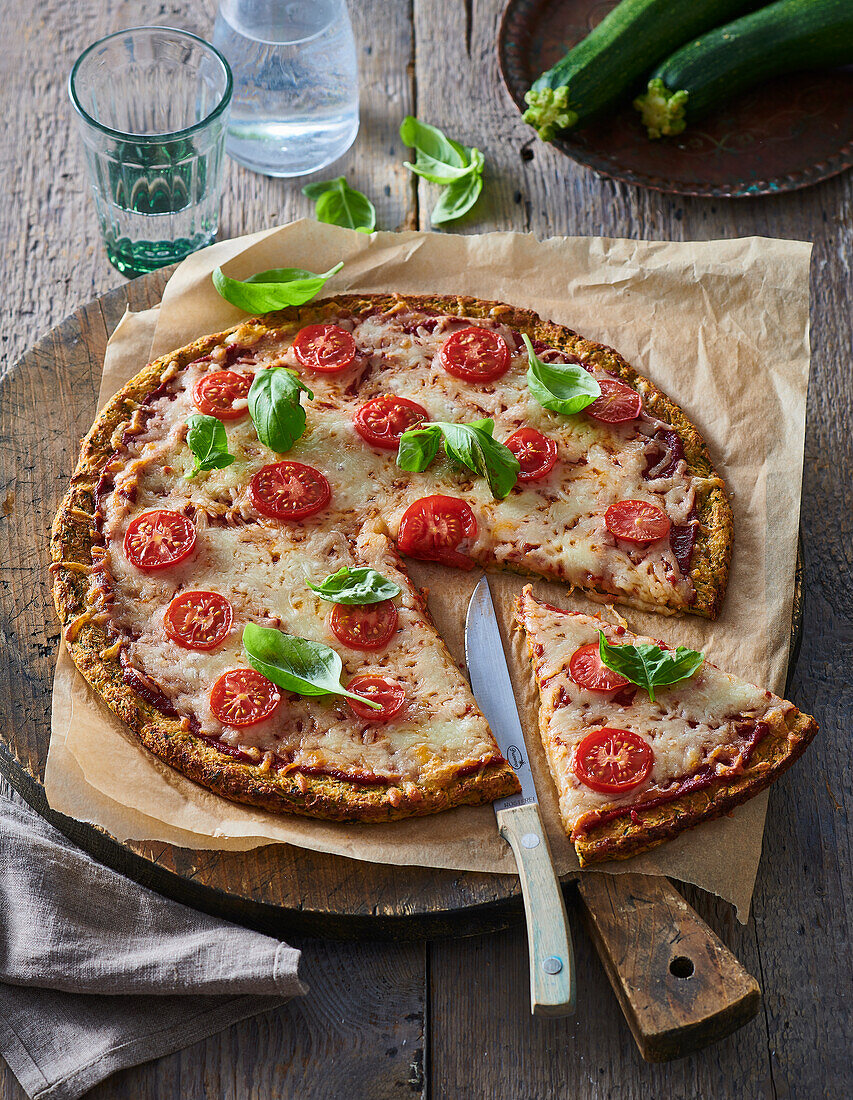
626	836
638	830
75	535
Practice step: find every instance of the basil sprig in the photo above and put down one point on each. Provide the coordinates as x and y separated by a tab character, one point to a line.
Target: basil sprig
649	666
274	405
355	586
471	444
296	664
274	289
208	442
561	387
439	159
336	203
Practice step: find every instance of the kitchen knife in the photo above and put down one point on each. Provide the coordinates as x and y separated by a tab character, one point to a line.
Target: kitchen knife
552	966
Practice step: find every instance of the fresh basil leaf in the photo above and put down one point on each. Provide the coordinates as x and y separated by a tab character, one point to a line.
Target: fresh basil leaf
444	161
429	142
561	387
208	442
274	405
457	199
436	172
314	190
296	664
336	203
470	444
355	586
649	666
418	447
438	159
473	446
274	289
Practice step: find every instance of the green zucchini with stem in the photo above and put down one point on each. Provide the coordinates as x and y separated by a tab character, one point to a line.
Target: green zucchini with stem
786	37
614	57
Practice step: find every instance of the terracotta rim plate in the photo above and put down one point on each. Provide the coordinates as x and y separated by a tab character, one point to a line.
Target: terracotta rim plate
790	133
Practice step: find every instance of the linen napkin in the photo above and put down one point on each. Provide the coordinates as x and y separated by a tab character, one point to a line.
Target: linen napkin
98	973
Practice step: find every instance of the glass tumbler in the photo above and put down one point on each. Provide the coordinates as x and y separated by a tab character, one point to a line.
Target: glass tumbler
295	83
153	103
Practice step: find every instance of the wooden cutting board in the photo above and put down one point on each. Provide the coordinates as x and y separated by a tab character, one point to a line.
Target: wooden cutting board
679	986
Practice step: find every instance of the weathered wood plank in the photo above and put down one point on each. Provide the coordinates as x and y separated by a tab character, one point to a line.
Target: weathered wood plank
800	1045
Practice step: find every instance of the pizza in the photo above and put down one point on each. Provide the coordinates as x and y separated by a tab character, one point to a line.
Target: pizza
632	771
161	566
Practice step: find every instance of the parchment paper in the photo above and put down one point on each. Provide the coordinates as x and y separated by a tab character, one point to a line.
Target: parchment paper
721	326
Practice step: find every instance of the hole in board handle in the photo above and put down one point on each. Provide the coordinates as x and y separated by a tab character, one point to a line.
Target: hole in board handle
681	967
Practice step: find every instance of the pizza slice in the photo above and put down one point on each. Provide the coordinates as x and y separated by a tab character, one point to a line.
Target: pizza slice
636	765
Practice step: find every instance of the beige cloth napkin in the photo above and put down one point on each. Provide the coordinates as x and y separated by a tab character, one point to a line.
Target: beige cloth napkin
98	973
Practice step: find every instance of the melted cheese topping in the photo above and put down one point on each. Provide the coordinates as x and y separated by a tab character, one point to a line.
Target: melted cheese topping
690	726
554	527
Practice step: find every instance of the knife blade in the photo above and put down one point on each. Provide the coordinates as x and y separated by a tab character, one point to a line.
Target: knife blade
552	969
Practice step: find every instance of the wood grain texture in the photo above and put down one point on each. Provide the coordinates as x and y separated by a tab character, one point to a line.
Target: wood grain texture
679	987
479	1037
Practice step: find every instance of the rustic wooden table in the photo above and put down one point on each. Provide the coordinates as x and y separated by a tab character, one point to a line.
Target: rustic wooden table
450	1019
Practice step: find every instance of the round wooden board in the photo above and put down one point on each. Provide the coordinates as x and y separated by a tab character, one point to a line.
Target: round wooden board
47	402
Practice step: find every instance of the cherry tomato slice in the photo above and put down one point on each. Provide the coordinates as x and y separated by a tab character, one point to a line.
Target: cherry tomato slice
475	355
588	671
223	394
383	420
158	539
243	697
377	689
364	626
433	527
289	490
198	620
612	761
536	453
637	521
617	403
325	349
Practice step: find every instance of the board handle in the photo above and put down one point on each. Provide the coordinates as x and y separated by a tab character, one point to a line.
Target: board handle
552	962
679	986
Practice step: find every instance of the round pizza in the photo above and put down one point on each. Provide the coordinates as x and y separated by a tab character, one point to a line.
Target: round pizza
229	562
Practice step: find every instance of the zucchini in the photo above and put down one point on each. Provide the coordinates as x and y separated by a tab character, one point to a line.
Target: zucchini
615	56
786	37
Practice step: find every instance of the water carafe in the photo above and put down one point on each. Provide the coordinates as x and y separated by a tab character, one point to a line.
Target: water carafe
295	103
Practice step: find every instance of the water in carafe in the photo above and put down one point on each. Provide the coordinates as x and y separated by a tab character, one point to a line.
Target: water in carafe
295	103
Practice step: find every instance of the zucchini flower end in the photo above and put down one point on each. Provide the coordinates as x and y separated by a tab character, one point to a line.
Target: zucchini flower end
662	111
548	111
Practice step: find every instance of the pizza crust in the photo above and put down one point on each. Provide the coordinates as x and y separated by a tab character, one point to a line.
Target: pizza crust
623	837
75	536
637	830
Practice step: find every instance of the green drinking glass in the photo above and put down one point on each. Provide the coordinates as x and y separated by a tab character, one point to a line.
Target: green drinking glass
153	105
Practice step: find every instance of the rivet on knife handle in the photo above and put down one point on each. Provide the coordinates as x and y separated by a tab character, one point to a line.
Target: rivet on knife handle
552	969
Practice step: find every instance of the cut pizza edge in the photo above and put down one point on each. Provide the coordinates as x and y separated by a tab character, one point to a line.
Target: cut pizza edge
325	797
635	829
74	534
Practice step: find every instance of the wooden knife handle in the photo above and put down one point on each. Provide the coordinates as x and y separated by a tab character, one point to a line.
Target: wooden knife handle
679	986
552	962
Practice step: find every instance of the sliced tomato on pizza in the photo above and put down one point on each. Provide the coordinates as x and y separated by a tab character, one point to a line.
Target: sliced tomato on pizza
632	771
